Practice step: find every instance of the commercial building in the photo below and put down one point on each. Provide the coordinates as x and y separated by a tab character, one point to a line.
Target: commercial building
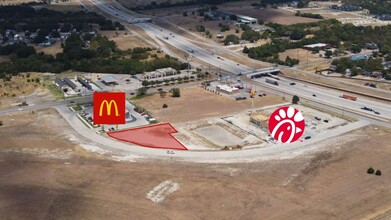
160	73
227	89
109	81
84	83
246	19
321	46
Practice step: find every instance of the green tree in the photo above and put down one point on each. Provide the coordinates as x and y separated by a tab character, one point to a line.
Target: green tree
176	92
378	173
145	83
295	99
141	91
165	105
370	170
328	53
231	38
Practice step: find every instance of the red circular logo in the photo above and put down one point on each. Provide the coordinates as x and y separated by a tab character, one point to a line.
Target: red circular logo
286	124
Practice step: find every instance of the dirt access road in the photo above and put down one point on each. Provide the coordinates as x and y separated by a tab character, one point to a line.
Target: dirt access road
79	185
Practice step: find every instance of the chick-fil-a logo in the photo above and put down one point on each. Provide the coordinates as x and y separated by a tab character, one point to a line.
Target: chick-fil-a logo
286	124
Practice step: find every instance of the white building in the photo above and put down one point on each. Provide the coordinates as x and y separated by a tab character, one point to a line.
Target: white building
227	89
160	73
247	20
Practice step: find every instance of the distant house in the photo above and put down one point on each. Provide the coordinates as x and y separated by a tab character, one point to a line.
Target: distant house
321	46
65	35
246	19
220	35
346	7
384	17
387	65
359	57
371	46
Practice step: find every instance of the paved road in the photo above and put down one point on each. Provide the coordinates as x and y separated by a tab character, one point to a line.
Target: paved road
330	96
232	67
280	151
47	105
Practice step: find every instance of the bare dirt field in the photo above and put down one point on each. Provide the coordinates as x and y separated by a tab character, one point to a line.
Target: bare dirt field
302	55
279	16
15	91
52	50
190	22
133	3
64	184
124	39
69	5
197	103
16	2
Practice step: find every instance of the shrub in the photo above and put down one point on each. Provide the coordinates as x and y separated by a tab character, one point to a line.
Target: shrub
165	105
378	173
176	92
295	99
1	123
370	170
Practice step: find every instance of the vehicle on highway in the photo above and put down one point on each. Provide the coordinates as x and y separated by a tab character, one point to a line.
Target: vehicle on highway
307	137
376	112
366	108
313	95
292	84
353	98
160	89
274	82
165	37
240	98
190	50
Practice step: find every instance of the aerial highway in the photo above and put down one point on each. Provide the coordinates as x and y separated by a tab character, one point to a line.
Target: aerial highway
326	96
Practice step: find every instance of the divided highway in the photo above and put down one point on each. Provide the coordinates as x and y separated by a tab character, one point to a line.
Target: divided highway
328	97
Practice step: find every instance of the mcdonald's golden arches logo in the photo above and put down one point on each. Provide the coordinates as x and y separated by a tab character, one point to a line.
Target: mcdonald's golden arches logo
109	108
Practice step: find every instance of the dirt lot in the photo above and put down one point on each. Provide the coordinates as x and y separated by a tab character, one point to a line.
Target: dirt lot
52	50
268	15
123	39
197	103
302	54
36	185
15	91
15	2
